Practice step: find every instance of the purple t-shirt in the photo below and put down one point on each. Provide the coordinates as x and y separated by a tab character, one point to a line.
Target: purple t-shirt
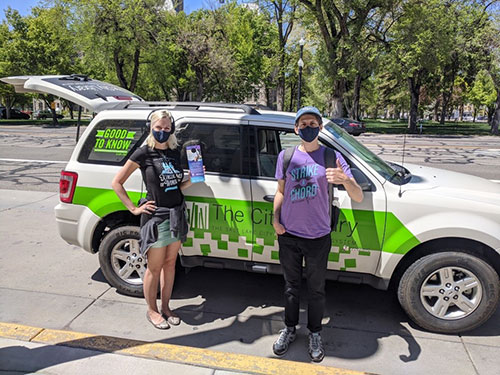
305	212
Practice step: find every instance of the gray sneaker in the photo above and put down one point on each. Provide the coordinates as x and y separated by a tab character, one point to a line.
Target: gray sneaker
286	337
316	351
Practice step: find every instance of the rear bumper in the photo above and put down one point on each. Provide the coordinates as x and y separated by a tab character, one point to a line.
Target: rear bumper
76	224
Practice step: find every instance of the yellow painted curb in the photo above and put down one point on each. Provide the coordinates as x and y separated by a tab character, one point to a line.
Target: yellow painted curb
18	331
167	352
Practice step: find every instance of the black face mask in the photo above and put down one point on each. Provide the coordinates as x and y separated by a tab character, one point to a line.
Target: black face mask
309	134
161	136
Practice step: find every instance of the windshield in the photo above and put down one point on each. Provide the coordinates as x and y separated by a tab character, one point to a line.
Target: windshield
356	148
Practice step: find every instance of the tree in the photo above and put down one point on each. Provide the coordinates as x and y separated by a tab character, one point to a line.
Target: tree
114	36
8	60
494	71
39	44
421	41
483	93
341	24
283	15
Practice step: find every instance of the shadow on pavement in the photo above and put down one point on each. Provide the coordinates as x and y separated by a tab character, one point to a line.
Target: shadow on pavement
357	317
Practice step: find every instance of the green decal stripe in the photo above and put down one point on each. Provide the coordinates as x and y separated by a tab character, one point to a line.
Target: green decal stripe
100	134
102	202
398	239
111	151
357	229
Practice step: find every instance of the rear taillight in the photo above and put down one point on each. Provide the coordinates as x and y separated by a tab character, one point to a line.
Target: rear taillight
67	185
353	124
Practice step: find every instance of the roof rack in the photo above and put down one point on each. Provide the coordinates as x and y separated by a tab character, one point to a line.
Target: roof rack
194	106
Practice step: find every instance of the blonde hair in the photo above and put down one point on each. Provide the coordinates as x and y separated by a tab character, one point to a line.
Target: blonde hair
158	115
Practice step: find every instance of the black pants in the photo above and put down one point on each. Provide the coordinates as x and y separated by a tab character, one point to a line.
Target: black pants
292	251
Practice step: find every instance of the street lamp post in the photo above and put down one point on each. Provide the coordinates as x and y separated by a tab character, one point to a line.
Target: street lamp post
301	66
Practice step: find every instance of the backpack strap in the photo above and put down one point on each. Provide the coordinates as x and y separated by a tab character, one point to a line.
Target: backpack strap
330	160
287	156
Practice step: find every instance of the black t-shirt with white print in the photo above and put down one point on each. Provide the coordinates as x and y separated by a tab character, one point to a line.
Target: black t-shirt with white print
162	174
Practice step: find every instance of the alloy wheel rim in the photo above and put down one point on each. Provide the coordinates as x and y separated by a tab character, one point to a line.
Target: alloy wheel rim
451	293
128	262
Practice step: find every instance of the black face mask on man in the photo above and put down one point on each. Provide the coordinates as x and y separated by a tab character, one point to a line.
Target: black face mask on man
308	134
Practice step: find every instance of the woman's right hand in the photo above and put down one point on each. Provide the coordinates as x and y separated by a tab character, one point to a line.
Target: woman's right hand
146	208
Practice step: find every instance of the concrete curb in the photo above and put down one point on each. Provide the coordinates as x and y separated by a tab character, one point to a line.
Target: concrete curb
167	352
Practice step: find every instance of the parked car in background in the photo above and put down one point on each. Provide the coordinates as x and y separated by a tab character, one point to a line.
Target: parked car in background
15	114
353	127
45	114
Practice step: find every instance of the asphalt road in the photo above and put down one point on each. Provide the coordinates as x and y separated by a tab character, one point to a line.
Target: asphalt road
31	157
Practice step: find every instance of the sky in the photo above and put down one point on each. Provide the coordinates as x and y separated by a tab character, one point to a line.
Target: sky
24	6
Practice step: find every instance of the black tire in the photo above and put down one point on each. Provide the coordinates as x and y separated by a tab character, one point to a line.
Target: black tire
116	243
482	296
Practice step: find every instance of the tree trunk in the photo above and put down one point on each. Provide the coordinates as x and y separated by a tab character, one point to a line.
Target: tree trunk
414	87
292	96
435	117
444	105
199	88
48	100
355	100
474	114
119	69
491	113
461	112
496	117
135	72
9	103
338	98
280	93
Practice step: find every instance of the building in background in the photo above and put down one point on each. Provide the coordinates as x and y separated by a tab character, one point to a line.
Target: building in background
177	5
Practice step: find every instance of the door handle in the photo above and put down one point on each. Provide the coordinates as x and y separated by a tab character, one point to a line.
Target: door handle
269	198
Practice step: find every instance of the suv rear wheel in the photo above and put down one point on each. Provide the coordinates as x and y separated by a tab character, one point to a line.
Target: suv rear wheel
121	261
449	292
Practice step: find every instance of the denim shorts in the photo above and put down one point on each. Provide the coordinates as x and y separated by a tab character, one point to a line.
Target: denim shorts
165	237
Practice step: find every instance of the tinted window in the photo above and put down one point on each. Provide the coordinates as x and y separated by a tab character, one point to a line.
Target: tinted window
220	146
112	141
270	142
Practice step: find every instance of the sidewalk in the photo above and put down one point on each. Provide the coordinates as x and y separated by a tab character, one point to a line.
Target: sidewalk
25	349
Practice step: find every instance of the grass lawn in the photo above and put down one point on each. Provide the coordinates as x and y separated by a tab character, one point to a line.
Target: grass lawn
429	127
61	122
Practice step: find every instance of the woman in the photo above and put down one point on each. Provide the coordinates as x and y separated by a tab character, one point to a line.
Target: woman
163	219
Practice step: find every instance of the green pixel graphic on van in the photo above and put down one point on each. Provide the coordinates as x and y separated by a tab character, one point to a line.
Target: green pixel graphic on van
224	227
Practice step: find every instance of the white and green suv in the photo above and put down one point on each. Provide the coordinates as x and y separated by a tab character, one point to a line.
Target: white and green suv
432	235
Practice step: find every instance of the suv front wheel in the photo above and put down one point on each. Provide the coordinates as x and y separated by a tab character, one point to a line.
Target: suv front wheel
449	292
121	262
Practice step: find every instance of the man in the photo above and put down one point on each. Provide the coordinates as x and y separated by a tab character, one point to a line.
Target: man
303	224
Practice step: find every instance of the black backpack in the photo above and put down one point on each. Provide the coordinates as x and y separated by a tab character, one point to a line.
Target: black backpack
330	161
